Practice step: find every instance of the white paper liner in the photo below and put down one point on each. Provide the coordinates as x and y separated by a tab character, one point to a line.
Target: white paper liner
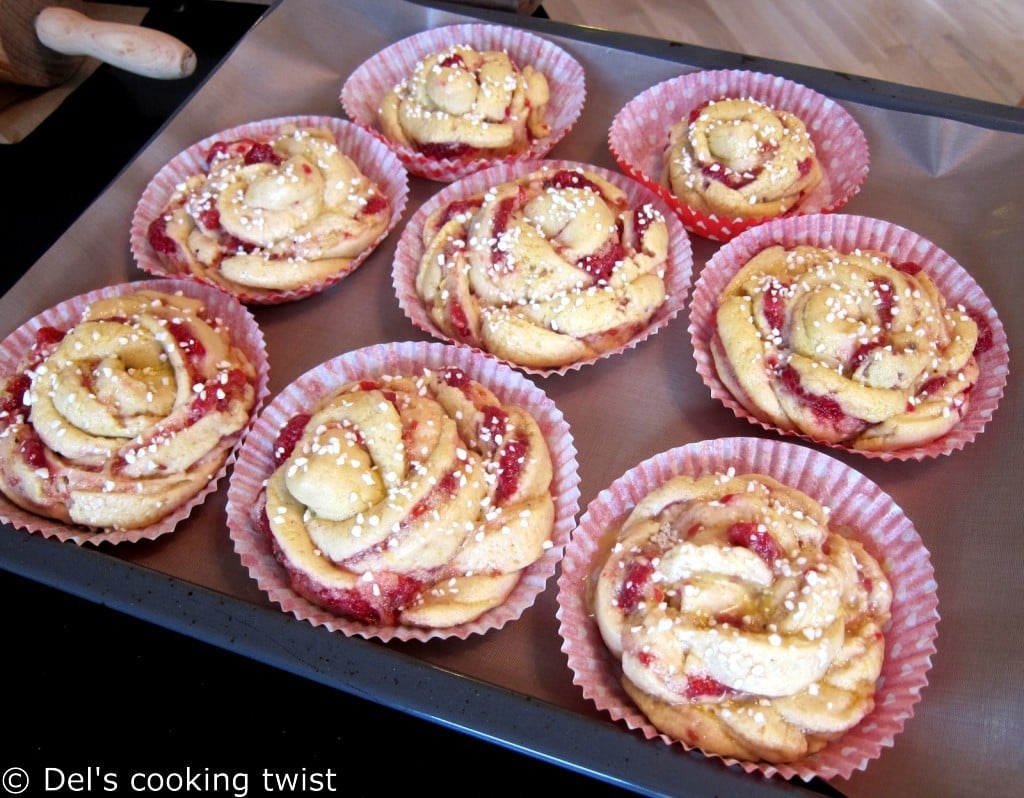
365	88
409	251
374	159
255	464
855	502
640	132
246	334
846	232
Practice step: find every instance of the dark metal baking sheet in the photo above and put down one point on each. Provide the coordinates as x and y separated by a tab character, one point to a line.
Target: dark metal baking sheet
948	168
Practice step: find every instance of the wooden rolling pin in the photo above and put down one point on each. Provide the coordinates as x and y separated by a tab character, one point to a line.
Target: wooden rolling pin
43	44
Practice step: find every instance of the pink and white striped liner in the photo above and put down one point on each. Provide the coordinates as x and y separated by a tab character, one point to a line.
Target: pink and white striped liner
255	464
246	335
409	250
365	88
855	502
640	131
846	232
374	159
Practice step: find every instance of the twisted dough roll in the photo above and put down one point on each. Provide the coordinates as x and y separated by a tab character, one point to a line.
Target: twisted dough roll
410	500
845	348
745	626
116	422
740	158
546	270
464	102
278	214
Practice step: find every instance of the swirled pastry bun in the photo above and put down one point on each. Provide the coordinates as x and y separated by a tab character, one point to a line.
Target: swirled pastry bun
454	99
119	419
744	623
410	500
271	211
550	268
740	158
467	102
730	148
848	348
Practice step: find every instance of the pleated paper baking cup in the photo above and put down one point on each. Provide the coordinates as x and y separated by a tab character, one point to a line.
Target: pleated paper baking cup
256	463
365	88
410	249
245	335
871	516
845	233
639	135
374	160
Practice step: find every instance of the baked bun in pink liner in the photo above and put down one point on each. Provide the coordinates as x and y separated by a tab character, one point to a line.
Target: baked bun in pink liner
846	233
376	162
245	335
412	359
870	516
365	88
639	135
410	250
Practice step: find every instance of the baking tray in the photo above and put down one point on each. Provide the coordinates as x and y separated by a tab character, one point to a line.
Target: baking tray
946	167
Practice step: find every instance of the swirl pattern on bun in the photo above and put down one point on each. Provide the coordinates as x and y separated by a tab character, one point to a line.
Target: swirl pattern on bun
847	348
467	102
740	158
117	421
271	213
412	501
551	268
744	623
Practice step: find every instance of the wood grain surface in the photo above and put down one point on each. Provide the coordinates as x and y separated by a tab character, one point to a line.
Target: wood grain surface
971	49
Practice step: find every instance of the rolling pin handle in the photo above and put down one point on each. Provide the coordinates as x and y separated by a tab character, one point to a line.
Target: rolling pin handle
143	51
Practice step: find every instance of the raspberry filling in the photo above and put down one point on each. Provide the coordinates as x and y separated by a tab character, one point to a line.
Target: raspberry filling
634	587
825	409
750	536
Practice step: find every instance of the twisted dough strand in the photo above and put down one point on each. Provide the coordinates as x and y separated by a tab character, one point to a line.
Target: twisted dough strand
115	422
283	213
740	158
545	270
744	624
467	102
846	348
411	500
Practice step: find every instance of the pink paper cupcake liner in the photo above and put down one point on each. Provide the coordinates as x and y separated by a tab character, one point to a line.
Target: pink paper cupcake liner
255	464
409	251
246	335
640	132
847	232
855	502
374	159
364	89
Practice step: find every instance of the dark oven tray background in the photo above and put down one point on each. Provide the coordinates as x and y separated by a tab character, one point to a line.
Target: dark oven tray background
948	168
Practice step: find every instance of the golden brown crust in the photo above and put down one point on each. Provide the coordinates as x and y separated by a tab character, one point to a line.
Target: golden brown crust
744	625
116	422
740	158
845	348
412	501
467	102
546	270
277	214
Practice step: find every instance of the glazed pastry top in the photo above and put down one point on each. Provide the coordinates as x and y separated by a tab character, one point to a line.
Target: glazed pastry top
740	158
463	101
737	611
411	500
847	348
276	214
544	270
116	421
